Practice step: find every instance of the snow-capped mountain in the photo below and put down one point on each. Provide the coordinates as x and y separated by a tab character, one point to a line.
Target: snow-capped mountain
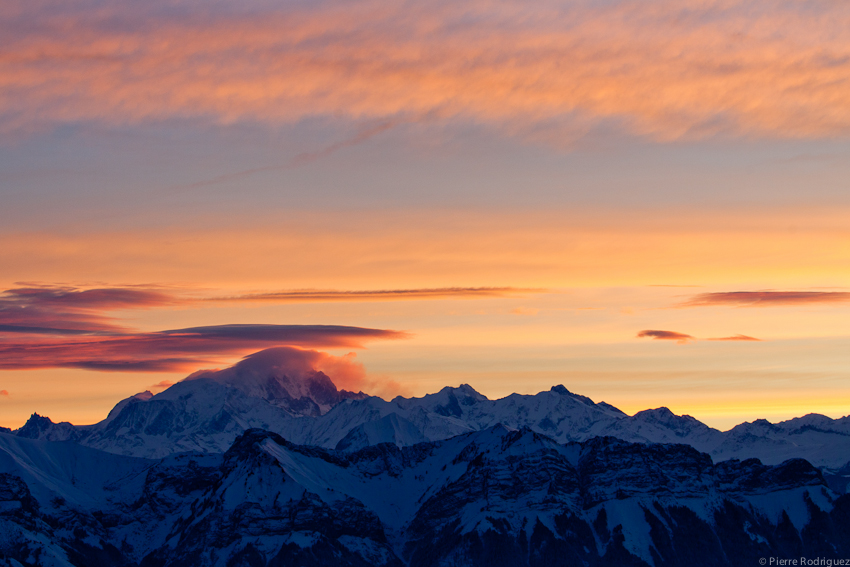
491	497
272	375
208	410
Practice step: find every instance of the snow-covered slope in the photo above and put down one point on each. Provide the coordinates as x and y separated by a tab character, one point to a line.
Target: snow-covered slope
78	475
491	497
816	438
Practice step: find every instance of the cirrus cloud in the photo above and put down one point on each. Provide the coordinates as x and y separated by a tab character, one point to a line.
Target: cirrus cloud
767	298
309	296
680	338
735	338
662	69
683	338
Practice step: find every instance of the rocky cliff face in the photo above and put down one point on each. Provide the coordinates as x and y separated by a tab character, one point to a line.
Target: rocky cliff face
491	497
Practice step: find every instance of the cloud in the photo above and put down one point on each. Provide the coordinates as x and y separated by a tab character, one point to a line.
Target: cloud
306	335
663	69
363	134
680	338
178	349
4	392
26	329
100	298
161	385
307	296
735	338
66	310
346	372
766	298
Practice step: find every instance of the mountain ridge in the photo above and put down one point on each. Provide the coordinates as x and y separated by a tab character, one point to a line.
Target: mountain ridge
281	389
205	415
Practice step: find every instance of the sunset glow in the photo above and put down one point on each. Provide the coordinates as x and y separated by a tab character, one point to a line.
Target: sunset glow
648	202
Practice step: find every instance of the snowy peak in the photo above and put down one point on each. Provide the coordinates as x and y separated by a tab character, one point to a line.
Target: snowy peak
40	427
681	425
140	397
284	377
562	390
448	402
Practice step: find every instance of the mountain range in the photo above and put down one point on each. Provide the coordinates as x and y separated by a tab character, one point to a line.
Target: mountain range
208	410
262	465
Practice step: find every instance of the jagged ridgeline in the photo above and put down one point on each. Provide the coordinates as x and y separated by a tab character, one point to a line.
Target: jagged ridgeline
257	465
207	411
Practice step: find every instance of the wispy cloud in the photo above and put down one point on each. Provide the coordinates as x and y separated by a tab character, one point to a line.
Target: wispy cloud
683	338
4	392
66	310
306	296
70	311
363	134
178	349
680	338
662	69
735	338
766	298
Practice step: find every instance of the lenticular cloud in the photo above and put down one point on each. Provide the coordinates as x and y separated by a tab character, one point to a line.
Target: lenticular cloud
177	349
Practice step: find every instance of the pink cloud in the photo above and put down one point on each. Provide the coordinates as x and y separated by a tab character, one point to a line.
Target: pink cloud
179	349
346	372
766	298
309	295
735	338
666	70
680	338
65	310
68	311
4	392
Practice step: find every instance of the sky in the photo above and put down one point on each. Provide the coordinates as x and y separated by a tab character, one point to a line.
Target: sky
646	201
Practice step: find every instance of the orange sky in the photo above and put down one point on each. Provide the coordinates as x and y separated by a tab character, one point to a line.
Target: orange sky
494	192
567	282
748	246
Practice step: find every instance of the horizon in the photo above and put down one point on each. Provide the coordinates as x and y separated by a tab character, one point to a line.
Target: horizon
644	202
293	373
